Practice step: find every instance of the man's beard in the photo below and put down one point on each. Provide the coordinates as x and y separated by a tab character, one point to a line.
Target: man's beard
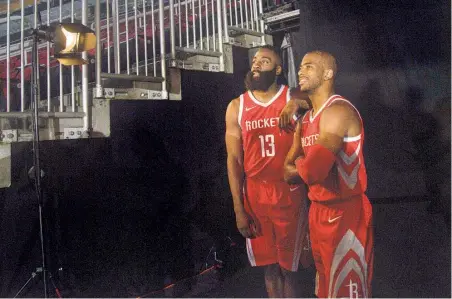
263	82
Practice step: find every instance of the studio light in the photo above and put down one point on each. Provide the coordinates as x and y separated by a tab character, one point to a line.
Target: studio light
69	40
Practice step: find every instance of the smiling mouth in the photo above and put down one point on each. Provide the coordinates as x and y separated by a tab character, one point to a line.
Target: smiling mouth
302	80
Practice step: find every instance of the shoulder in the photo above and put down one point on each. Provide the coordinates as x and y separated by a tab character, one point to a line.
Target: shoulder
233	108
340	109
234	104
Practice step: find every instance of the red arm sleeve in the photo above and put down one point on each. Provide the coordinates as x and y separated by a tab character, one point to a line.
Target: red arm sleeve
314	168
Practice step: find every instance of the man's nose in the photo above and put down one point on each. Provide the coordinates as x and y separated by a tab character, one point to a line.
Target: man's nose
256	65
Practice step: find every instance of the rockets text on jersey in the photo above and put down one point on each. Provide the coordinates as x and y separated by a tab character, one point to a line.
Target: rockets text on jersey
264	145
347	177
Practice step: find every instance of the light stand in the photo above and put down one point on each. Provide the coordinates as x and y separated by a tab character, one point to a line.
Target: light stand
69	40
35	172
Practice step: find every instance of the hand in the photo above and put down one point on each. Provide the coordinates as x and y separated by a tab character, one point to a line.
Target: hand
286	121
245	224
301	98
299	101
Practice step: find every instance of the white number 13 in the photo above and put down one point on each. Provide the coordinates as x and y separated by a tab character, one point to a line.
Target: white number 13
267	145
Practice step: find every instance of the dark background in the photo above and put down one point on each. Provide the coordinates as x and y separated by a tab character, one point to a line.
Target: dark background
126	212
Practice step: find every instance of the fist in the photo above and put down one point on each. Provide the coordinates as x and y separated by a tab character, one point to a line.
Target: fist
302	98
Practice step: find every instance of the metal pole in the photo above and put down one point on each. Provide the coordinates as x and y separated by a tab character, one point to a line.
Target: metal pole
225	22
8	71
241	13
35	18
261	22
126	4
230	12
137	57
172	31
207	25
36	153
187	40
246	14
220	35
108	36
153	39
180	24
145	39
72	67
22	64
200	25
49	90
61	66
213	26
116	36
256	19
236	13
85	95
252	14
162	45
193	22
98	50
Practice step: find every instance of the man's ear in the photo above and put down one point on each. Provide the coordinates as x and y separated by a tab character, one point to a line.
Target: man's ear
278	70
328	75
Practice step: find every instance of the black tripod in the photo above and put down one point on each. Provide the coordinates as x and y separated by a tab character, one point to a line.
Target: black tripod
35	172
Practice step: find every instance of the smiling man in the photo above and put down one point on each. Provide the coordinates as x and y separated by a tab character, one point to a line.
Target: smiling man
327	155
270	214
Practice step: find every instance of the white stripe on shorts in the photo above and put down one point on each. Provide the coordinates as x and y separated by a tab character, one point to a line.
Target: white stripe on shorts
249	250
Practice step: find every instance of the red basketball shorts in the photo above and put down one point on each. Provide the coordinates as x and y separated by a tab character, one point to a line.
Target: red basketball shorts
280	213
342	245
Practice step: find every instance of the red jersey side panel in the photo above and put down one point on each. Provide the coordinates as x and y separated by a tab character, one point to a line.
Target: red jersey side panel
264	146
347	177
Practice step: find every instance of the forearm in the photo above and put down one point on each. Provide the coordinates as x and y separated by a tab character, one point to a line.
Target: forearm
291	175
236	178
315	167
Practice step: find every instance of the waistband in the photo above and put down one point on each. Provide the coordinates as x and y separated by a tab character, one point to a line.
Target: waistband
264	180
340	201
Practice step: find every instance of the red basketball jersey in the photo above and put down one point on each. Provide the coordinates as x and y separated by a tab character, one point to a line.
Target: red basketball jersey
264	146
347	177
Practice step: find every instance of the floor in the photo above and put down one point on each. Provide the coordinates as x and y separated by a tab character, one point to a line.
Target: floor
412	259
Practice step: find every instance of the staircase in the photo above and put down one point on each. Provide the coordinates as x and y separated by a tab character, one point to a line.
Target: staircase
142	48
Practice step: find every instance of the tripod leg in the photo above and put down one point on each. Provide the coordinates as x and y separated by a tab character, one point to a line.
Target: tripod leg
33	275
57	291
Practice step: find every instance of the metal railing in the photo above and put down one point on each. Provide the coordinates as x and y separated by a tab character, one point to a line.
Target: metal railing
136	40
58	87
123	38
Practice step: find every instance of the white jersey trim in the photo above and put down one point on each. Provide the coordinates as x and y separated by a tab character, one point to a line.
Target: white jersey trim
240	110
348	102
327	102
351	139
281	89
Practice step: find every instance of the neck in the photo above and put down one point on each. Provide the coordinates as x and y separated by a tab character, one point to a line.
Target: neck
319	97
266	95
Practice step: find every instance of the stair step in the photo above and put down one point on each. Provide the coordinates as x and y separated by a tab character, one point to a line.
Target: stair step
236	31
